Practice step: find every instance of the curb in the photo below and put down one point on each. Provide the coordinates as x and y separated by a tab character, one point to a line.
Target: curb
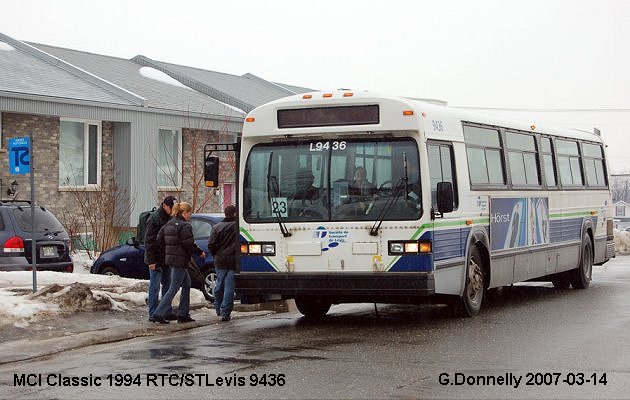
32	348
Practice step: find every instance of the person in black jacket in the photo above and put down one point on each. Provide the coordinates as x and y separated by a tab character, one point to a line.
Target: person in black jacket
224	244
154	256
179	245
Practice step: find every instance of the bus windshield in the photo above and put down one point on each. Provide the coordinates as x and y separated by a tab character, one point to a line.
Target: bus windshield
333	180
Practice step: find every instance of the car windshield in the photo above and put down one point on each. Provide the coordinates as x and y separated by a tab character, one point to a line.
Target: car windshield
44	220
332	180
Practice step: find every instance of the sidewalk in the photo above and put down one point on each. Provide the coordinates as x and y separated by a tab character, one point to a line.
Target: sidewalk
67	332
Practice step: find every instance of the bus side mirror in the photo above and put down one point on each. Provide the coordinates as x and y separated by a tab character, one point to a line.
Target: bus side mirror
211	171
444	197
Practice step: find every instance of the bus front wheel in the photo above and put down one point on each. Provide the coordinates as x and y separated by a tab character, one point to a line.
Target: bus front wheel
469	304
312	308
581	276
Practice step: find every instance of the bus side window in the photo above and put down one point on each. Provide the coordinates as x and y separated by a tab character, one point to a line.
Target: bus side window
441	169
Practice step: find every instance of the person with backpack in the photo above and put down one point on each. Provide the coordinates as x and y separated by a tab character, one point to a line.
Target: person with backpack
224	244
176	237
159	272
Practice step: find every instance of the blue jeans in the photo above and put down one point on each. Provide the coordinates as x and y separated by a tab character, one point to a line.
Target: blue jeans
224	292
179	278
155	279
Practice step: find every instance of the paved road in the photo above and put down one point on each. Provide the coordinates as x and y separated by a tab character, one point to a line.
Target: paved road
399	352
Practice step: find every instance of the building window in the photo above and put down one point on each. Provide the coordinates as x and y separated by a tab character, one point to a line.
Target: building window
169	158
485	159
80	154
620	211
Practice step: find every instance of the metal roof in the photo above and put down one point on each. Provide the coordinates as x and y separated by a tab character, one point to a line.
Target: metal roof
26	71
158	93
245	92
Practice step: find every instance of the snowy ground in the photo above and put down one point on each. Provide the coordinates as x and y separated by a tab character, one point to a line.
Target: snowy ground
63	293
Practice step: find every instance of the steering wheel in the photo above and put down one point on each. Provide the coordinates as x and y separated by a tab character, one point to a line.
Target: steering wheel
386	186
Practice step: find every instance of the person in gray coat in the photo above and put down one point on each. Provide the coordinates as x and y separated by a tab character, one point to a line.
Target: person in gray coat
224	244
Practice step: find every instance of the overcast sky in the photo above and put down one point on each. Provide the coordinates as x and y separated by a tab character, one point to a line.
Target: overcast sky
548	56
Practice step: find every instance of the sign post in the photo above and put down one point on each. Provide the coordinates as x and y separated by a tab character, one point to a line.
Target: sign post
20	163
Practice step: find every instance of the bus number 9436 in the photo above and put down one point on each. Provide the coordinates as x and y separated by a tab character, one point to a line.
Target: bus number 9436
334	145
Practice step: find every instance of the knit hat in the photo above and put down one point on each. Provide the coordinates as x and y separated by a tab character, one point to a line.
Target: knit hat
170	201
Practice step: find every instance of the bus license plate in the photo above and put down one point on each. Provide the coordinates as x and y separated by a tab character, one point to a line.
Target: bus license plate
49	251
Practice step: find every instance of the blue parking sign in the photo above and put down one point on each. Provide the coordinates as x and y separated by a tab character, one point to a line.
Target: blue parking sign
19	156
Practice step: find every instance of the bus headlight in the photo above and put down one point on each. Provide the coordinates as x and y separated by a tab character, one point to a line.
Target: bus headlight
409	247
259	248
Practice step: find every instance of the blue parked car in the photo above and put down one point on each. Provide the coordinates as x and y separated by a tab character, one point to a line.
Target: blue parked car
127	260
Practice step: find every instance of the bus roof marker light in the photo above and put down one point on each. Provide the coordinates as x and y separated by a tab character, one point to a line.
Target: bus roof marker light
408	112
326	95
348	94
533	127
307	96
250	119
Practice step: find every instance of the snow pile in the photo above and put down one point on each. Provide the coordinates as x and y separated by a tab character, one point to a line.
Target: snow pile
63	293
622	241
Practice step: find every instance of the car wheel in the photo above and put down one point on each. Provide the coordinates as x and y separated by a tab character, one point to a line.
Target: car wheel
208	283
109	270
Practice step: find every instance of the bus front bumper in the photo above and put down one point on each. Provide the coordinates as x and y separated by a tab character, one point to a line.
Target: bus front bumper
338	286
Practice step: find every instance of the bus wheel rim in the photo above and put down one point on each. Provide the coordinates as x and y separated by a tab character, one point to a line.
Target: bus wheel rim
475	282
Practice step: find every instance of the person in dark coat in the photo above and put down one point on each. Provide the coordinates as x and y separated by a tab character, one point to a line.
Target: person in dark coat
154	255
224	245
179	246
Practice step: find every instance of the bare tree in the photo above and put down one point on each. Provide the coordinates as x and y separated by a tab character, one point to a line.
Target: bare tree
191	172
620	187
98	214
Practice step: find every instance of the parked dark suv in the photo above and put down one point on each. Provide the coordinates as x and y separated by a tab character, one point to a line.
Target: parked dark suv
53	242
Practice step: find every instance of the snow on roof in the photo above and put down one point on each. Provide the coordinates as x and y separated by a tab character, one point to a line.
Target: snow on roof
160	76
6	47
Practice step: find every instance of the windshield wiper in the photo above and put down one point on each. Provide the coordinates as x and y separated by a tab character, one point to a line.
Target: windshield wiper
393	197
272	185
391	200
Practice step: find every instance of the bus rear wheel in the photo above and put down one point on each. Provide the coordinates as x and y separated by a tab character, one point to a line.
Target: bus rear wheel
581	276
312	308
469	304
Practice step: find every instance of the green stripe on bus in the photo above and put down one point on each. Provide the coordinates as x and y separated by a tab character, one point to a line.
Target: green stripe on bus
249	237
572	214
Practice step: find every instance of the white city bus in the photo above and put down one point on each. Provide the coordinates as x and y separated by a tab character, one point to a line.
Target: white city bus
355	197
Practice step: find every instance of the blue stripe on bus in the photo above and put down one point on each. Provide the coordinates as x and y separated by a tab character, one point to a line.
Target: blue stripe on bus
255	264
449	243
415	263
562	230
446	243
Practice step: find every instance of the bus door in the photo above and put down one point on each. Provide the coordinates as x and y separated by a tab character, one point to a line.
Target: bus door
448	239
